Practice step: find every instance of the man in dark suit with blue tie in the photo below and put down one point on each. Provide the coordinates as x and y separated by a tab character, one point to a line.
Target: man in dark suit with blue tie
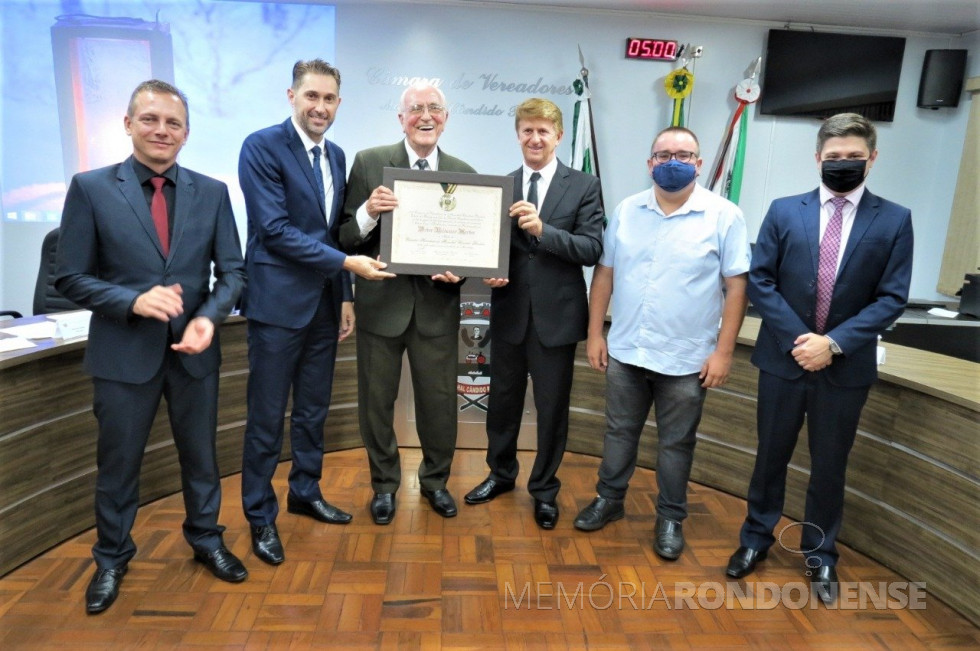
137	244
297	302
830	271
540	311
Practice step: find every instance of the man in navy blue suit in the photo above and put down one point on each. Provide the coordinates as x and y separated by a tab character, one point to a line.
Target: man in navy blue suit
138	241
298	302
830	271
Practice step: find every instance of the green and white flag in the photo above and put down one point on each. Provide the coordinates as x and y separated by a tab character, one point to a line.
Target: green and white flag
583	154
585	157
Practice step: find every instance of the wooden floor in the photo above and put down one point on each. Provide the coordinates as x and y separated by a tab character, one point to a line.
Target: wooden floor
487	579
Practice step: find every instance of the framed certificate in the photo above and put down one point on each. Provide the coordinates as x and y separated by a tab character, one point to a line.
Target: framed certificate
447	221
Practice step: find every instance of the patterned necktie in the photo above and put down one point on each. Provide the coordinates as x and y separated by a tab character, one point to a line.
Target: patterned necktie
532	189
827	270
158	210
422	164
318	174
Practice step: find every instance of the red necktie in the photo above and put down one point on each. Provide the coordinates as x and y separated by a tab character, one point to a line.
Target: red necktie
827	268
158	209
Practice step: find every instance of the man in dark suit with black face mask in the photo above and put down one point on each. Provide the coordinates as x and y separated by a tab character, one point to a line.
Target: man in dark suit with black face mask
830	271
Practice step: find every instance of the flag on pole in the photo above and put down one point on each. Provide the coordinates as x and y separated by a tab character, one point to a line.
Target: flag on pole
726	177
585	156
582	146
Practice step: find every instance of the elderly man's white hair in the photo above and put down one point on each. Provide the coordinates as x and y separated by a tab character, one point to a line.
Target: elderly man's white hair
419	86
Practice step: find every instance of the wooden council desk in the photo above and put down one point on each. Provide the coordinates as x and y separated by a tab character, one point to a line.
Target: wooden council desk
912	490
48	438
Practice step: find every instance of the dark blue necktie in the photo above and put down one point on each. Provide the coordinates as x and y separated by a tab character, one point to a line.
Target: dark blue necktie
318	175
532	197
532	188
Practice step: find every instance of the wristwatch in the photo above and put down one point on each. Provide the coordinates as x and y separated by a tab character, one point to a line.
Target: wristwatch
834	348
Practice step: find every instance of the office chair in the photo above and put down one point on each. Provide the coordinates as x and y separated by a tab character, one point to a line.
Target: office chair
46	297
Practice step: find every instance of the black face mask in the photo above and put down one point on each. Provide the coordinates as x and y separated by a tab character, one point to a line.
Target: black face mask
842	175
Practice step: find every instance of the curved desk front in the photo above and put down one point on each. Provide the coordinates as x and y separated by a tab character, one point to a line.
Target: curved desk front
48	438
912	489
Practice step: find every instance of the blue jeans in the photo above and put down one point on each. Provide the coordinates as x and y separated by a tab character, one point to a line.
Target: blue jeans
678	399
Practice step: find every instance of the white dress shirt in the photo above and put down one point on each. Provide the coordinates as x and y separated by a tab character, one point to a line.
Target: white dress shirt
308	144
366	221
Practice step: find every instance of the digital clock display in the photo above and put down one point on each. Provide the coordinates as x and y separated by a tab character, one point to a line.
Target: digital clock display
655	49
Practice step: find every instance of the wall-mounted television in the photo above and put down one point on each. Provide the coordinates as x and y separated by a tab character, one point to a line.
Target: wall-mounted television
818	74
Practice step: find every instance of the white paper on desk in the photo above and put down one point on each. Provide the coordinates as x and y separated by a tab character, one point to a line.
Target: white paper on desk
938	311
41	330
8	344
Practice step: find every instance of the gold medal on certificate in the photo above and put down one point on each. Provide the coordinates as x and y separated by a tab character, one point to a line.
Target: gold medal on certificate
447	202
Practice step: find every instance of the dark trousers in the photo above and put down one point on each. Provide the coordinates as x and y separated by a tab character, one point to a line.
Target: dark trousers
551	374
125	413
280	359
678	400
432	362
832	415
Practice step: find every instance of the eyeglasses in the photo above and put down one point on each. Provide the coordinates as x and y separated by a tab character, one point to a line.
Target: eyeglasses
682	156
419	109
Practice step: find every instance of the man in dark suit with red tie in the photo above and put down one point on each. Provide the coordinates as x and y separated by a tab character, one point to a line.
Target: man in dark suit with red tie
830	271
540	311
137	244
297	302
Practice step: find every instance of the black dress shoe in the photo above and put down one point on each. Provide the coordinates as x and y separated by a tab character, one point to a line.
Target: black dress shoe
442	502
103	589
383	508
318	510
824	583
266	544
599	513
668	539
545	514
223	564
488	489
743	561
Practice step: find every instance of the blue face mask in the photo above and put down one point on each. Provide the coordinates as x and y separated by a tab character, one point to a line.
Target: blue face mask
674	175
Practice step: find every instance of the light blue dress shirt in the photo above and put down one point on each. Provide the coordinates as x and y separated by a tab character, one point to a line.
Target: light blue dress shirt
668	277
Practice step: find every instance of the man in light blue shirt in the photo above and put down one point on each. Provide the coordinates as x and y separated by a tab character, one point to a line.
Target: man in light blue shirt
678	257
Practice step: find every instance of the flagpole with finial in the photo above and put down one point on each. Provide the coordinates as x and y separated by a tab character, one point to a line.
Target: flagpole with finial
726	175
581	87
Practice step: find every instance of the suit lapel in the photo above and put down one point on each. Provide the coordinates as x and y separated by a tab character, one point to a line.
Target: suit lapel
130	187
338	187
399	157
184	196
810	215
559	184
867	210
303	158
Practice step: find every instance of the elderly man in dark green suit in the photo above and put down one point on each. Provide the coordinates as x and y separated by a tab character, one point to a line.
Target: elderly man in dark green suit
419	314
